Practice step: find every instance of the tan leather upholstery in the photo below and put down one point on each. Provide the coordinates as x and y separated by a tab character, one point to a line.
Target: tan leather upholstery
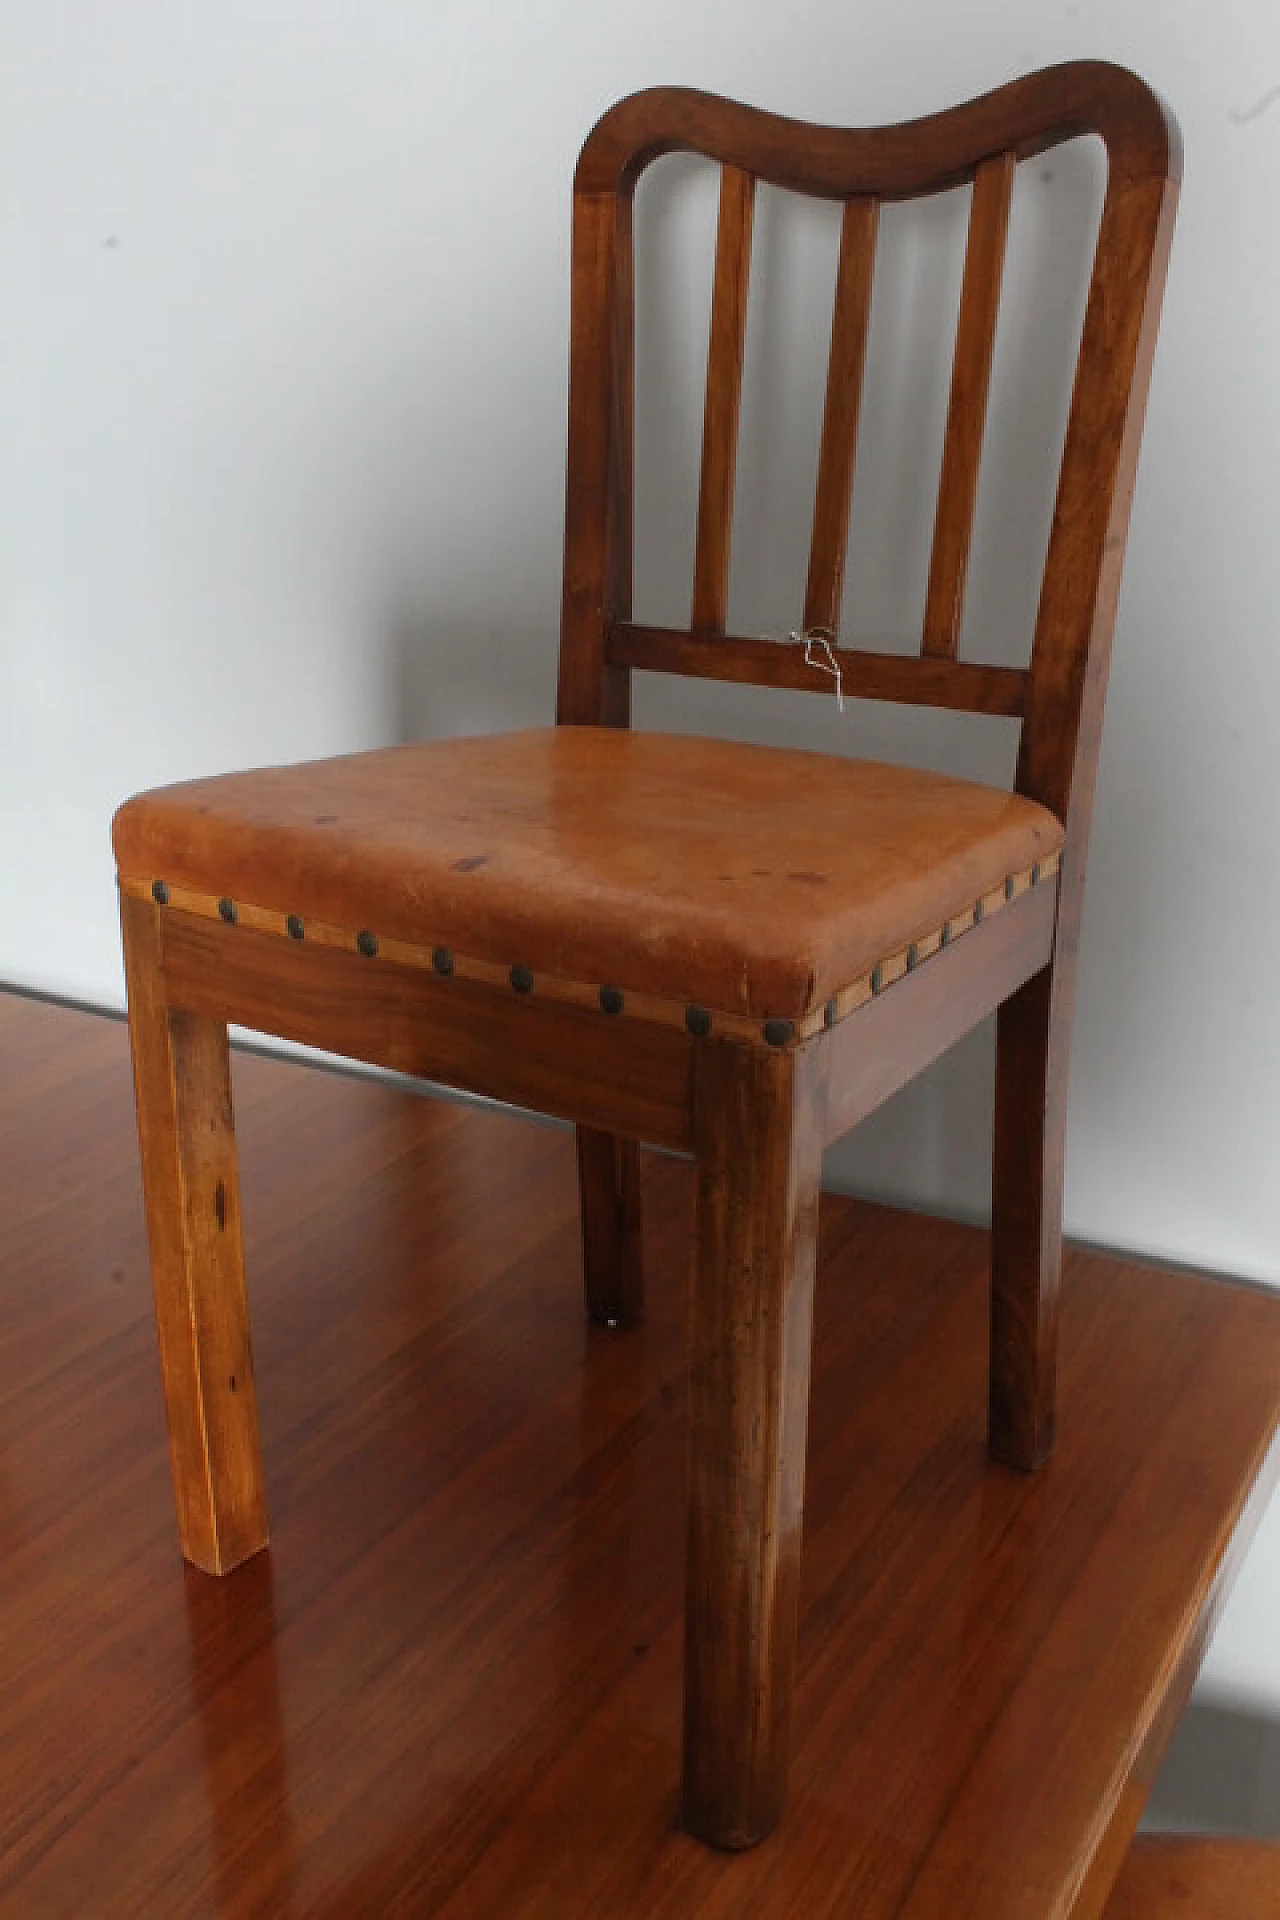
749	879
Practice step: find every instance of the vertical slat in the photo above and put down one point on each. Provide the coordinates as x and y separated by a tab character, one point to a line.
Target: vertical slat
849	323
724	394
967	411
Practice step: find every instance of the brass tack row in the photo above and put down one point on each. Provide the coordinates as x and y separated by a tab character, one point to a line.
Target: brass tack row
698	1021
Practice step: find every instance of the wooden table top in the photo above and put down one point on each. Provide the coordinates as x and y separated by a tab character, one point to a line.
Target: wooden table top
452	1686
1167	1878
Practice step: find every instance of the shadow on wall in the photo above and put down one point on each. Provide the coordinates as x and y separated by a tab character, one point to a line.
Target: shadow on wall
452	674
1221	1774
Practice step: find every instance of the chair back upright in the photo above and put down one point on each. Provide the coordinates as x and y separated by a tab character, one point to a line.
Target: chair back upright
1058	697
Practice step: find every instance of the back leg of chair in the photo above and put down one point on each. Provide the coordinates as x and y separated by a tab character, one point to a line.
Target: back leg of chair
186	1129
612	1265
1032	1040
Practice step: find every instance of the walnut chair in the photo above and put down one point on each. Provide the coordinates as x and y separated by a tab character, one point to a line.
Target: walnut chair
729	950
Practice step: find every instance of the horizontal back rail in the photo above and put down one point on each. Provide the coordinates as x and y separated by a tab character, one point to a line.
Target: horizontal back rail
902	162
904	678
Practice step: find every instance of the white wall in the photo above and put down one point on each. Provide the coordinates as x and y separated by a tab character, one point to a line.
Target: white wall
281	442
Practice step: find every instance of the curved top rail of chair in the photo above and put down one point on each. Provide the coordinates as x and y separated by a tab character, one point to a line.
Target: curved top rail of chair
898	162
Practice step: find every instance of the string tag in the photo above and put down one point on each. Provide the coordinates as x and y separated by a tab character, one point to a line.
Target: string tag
825	661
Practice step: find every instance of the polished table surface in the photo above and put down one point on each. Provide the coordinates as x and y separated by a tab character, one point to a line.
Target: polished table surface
1185	1878
452	1686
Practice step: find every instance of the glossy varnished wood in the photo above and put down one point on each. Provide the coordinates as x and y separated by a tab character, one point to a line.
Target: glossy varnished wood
900	1032
959	684
453	1686
967	409
724	397
1024	118
610	1198
1192	1879
850	322
1028	1156
187	1137
561	1060
598	532
1057	764
759	1128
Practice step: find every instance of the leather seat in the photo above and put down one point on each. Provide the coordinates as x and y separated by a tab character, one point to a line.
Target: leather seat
754	882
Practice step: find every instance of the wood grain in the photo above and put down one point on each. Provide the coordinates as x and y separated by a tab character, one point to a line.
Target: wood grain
187	1137
1165	1878
963	684
622	1076
452	1688
759	1130
967	407
723	404
596	586
1057	763
850	323
901	162
895	1036
1028	1159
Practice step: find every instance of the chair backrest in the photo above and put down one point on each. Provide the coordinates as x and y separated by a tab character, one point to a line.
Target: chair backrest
1058	698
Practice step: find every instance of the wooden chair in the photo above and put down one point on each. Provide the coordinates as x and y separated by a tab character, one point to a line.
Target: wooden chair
733	951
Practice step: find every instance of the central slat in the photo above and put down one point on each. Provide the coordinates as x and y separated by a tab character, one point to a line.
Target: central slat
849	323
967	411
723	402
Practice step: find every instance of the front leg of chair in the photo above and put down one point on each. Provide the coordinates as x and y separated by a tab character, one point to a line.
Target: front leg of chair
1032	1039
758	1123
612	1267
182	1080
